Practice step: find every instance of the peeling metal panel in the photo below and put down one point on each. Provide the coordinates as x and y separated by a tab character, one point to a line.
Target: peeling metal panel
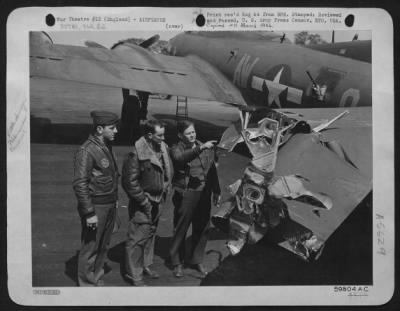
327	173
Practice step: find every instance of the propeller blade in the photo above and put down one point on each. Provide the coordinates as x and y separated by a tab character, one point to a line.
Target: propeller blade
92	44
40	37
131	43
149	42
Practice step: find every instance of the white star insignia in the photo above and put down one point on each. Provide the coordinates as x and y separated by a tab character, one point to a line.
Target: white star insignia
275	89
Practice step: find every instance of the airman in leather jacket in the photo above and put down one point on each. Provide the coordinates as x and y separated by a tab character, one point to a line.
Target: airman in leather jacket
145	178
95	176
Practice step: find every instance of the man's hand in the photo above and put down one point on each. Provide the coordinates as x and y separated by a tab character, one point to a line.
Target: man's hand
91	222
147	212
167	187
216	199
208	145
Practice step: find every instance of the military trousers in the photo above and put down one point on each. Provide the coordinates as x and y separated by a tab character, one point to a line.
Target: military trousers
190	208
95	244
140	241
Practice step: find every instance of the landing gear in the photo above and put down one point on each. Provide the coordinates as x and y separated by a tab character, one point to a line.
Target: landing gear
129	130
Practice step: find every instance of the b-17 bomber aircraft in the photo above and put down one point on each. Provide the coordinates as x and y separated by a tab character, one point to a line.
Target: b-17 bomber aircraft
309	168
281	75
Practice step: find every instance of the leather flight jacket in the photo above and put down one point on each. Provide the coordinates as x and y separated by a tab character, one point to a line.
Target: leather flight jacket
182	155
95	176
144	177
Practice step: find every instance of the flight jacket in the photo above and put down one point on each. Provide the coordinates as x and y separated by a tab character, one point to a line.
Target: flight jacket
144	178
182	155
95	176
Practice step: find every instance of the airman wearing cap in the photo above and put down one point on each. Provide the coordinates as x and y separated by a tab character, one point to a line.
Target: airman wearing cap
96	188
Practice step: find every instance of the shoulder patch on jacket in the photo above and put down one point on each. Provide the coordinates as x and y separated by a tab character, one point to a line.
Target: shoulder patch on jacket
105	163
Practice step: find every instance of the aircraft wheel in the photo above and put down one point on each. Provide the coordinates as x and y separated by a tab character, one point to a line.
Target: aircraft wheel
164	96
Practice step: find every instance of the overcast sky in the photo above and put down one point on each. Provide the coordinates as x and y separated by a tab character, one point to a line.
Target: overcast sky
108	38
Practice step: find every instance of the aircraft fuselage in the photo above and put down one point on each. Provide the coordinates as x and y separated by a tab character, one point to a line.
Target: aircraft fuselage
272	74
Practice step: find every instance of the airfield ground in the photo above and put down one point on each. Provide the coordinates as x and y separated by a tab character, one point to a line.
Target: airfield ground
56	226
60	122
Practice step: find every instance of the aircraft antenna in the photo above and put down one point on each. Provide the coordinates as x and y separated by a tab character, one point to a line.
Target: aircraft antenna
283	38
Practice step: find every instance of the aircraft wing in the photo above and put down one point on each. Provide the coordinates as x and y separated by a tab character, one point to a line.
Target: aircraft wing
353	131
321	173
134	69
338	164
